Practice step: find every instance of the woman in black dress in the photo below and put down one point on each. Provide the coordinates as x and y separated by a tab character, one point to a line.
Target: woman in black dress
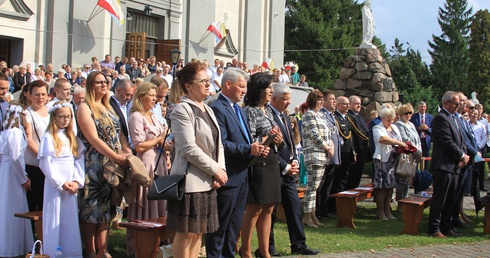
264	180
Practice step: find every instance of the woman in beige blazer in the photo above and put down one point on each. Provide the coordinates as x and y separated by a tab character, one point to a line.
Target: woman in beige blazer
199	153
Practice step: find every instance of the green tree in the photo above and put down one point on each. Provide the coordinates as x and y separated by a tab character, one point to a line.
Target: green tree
320	34
450	50
479	60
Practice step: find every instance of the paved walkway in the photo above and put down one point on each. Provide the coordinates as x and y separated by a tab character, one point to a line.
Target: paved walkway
471	250
480	249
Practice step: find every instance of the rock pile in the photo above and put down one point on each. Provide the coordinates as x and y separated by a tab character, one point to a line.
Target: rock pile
367	75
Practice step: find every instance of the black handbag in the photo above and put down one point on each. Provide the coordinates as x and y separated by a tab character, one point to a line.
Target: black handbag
171	187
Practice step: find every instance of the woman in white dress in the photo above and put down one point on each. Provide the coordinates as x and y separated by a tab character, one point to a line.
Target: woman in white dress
16	233
62	161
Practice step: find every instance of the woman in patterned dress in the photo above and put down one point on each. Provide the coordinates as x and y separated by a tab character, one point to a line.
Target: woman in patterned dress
386	136
264	180
100	133
317	148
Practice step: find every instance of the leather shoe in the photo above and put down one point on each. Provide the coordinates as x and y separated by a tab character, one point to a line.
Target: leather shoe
438	234
458	224
305	251
484	190
271	252
452	233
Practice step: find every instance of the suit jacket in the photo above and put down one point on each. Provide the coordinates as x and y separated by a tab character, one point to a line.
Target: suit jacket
448	141
20	80
417	121
334	136
344	127
316	137
134	73
371	125
468	137
288	138
360	133
122	121
193	141
235	143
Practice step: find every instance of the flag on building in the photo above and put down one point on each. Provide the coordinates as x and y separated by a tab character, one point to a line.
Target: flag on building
268	64
214	29
114	9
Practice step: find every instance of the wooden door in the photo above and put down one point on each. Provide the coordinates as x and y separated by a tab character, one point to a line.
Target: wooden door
163	49
4	51
136	44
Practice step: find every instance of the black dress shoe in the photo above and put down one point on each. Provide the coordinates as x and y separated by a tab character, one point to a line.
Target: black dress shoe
258	254
484	190
452	233
274	253
305	251
458	224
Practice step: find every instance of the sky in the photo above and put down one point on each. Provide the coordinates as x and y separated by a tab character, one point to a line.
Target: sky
412	21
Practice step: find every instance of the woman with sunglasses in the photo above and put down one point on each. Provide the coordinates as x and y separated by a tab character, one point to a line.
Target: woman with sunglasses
409	133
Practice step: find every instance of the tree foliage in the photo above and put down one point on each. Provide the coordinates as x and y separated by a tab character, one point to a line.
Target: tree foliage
319	35
479	59
450	50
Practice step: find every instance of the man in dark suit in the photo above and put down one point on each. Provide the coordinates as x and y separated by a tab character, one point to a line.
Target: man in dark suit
119	102
78	97
423	122
360	135
464	179
448	157
325	205
348	152
4	87
289	167
134	72
235	135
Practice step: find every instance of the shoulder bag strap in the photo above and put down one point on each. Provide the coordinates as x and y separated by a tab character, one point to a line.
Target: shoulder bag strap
34	124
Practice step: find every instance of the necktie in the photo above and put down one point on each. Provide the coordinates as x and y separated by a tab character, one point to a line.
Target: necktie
288	134
455	121
422	134
242	123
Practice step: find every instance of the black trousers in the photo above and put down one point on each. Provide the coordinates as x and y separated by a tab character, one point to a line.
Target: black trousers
35	196
443	200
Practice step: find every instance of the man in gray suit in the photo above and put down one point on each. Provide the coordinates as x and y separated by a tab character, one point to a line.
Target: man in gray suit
324	205
4	87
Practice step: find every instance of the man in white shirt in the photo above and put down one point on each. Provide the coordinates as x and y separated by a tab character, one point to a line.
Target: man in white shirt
167	76
284	78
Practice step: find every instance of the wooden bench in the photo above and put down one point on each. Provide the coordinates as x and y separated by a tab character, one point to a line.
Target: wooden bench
37	217
412	212
486	224
346	203
148	234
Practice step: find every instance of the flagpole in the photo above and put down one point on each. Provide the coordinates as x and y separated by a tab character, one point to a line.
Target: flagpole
96	13
204	36
91	15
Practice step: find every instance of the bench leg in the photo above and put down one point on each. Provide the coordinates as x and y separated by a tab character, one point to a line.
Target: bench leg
486	223
147	243
346	207
412	215
38	225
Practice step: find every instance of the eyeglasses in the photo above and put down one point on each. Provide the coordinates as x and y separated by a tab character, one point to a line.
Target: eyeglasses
321	100
87	67
472	107
68	117
454	103
101	82
203	81
408	113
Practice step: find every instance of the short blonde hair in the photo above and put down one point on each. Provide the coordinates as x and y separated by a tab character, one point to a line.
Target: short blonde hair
405	108
387	113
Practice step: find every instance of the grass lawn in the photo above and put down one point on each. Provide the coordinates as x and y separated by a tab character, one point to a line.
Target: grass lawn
370	234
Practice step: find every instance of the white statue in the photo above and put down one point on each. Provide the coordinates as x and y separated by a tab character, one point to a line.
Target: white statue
474	99
368	26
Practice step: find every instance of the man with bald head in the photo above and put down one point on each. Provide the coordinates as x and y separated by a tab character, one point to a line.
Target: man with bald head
347	149
360	135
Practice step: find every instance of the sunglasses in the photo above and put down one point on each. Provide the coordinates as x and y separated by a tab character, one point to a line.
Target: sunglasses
408	113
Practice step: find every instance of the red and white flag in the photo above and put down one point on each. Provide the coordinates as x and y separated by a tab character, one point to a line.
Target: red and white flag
114	9
214	29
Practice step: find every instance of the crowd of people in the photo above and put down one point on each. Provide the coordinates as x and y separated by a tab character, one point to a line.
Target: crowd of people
242	153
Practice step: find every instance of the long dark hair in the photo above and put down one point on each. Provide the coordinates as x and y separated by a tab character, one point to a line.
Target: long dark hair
256	87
